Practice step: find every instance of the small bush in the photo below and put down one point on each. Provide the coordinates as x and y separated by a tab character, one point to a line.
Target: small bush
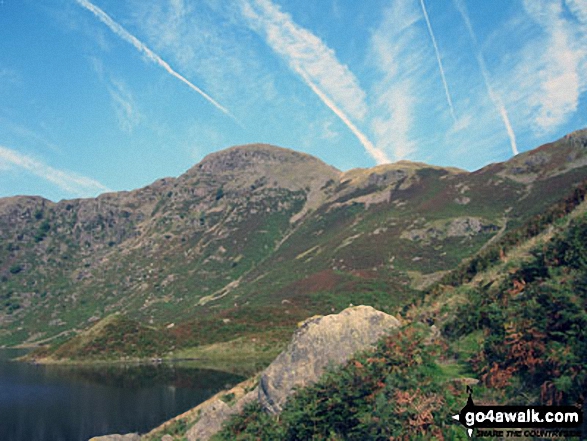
15	269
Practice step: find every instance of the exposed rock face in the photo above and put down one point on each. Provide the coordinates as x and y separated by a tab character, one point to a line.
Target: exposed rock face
319	342
128	437
386	178
214	414
252	156
466	226
261	165
578	138
211	419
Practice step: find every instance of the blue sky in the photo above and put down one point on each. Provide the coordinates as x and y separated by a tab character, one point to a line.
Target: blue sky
109	95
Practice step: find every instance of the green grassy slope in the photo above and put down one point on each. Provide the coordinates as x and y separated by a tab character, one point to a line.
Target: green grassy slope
256	238
515	322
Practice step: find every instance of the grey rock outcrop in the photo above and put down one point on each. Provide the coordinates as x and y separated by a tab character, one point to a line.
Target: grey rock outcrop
211	419
318	343
214	413
127	437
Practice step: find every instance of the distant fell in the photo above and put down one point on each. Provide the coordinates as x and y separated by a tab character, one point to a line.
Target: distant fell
255	238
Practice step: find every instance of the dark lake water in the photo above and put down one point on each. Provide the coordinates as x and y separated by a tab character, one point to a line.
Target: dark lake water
58	403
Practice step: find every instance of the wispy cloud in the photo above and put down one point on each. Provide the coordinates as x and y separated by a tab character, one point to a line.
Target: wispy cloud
152	56
73	183
126	110
19	130
495	98
399	55
439	60
316	64
377	154
559	68
328	132
541	70
579	9
213	44
307	54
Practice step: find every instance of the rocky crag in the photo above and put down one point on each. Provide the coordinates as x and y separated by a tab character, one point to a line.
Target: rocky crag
254	239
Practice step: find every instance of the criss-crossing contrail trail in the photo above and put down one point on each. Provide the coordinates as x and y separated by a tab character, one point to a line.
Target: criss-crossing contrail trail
141	47
438	59
499	106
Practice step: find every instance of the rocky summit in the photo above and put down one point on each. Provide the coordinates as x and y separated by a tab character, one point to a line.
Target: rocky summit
252	240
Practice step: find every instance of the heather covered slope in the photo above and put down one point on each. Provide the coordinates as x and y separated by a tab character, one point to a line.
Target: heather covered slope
255	238
527	289
155	251
514	328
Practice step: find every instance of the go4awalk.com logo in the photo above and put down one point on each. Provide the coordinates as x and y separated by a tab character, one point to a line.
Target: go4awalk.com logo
517	421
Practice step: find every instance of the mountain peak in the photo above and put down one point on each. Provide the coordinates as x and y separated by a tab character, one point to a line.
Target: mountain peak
257	234
255	156
247	165
578	135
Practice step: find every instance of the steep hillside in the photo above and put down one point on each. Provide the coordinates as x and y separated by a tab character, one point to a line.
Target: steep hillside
256	238
69	264
515	330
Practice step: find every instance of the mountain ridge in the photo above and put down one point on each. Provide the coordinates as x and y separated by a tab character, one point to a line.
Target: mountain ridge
258	237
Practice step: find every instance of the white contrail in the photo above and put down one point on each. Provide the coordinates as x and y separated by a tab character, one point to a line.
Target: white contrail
496	101
508	126
316	64
485	73
498	104
377	154
139	45
440	67
68	181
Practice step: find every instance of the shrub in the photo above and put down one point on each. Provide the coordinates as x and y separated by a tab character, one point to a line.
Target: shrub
15	269
394	392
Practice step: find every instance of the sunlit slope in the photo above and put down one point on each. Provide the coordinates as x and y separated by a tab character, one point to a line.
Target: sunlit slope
527	289
257	237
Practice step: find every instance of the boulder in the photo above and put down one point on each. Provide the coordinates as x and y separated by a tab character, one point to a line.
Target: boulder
211	418
318	343
213	414
127	437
